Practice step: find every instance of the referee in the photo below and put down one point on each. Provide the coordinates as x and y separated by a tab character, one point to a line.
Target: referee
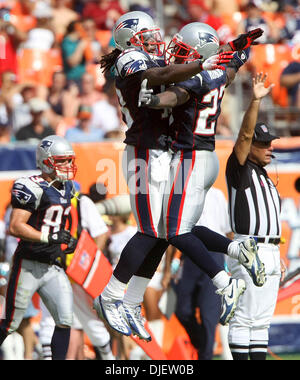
254	205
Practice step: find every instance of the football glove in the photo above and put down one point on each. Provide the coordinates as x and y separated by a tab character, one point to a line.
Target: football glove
213	62
71	246
60	237
246	40
145	94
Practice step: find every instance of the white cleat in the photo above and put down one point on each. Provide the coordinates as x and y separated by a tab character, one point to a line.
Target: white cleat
112	312
230	296
136	322
249	258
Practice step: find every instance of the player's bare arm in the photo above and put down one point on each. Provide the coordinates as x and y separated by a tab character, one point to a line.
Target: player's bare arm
175	73
244	140
19	228
171	98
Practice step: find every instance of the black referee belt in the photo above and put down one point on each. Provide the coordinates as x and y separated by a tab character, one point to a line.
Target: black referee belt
267	240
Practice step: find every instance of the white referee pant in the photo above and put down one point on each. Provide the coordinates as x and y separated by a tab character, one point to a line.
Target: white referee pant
256	307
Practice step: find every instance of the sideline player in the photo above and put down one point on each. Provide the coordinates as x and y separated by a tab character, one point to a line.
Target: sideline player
146	158
41	205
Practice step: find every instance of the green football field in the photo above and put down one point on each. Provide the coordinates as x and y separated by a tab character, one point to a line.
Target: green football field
294	356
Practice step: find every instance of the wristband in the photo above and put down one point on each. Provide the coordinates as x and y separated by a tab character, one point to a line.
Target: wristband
154	101
44	237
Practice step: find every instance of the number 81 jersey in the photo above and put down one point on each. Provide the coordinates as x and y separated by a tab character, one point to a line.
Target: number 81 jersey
195	121
49	208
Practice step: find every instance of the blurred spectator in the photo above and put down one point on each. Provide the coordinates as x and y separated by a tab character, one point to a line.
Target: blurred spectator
37	128
21	114
89	94
10	38
221	6
5	97
42	36
62	98
57	92
120	233
104	12
62	17
83	131
89	27
73	52
23	7
253	19
199	12
5	133
9	88
104	115
291	31
290	78
97	192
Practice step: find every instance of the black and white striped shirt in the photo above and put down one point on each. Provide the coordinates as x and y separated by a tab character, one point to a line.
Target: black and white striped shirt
254	202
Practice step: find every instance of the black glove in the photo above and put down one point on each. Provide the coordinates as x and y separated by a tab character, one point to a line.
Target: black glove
71	246
59	258
60	237
246	40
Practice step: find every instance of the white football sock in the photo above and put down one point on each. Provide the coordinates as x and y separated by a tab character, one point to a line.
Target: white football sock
136	290
221	280
234	249
114	290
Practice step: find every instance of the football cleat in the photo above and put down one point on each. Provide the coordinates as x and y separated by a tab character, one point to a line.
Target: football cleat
230	296
137	322
113	313
249	258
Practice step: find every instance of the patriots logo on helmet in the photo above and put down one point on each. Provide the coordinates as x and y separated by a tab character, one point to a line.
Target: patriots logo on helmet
21	196
130	24
206	38
46	145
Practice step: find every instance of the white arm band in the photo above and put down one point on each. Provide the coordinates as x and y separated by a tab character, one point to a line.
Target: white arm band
44	237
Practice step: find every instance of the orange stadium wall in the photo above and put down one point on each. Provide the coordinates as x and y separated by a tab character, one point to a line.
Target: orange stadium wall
102	162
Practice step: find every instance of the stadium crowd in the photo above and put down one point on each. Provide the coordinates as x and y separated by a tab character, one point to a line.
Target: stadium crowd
51	83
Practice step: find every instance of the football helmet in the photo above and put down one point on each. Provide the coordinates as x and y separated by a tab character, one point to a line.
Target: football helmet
55	155
194	41
138	29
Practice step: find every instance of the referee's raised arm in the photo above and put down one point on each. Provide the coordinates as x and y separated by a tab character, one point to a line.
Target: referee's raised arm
244	140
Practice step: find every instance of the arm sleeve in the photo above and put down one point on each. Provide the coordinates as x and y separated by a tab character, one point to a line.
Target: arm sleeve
236	173
90	218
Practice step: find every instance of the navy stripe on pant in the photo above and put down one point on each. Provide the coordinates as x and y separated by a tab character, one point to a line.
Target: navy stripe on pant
143	206
177	194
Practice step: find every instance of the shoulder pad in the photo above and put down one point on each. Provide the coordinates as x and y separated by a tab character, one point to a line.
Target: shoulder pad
132	61
26	190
